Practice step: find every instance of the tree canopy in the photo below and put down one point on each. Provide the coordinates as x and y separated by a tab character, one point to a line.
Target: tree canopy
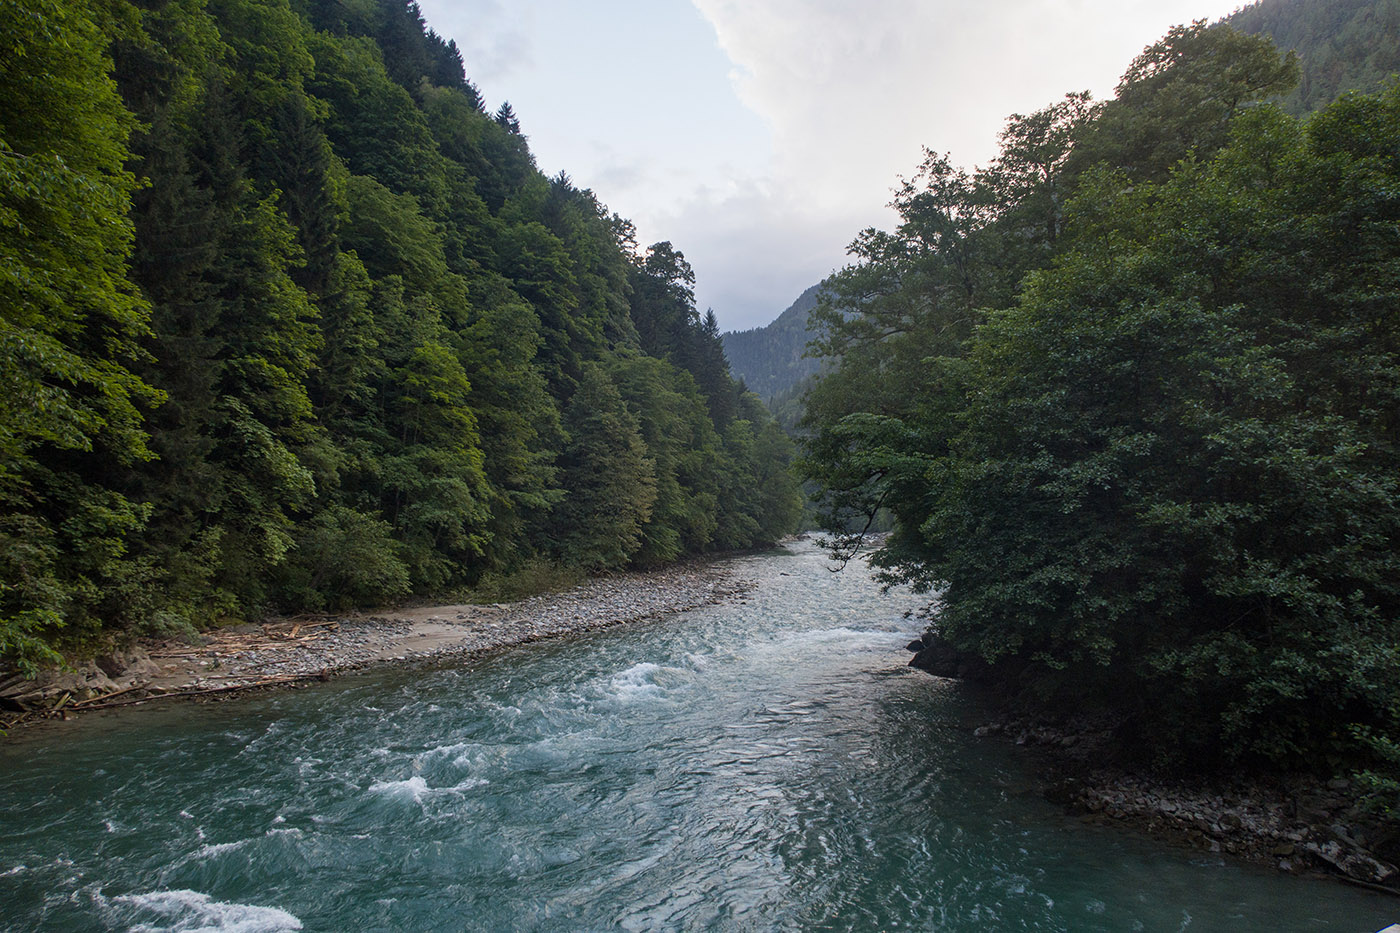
290	322
1129	395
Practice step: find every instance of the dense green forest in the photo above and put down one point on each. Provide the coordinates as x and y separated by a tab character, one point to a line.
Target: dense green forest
1132	394
772	359
289	322
1342	45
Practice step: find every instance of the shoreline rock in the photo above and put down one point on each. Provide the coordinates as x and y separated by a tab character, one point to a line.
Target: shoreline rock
941	659
1294	823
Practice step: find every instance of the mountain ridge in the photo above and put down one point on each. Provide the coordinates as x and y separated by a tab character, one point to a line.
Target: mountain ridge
770	359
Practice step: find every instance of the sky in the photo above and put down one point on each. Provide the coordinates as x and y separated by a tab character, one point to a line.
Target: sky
760	136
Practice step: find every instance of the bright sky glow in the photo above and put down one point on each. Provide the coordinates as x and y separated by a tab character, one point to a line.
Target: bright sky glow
759	136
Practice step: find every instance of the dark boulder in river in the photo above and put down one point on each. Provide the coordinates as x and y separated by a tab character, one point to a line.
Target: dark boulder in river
941	659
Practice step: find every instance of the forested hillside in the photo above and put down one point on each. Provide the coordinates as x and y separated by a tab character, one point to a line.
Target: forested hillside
1342	45
1131	395
288	321
772	359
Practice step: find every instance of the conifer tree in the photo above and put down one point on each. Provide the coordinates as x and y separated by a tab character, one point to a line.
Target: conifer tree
608	478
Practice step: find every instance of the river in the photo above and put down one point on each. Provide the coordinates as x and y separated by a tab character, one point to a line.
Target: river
766	764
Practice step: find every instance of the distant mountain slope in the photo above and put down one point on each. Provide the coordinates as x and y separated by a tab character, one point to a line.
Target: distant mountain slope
769	359
1343	45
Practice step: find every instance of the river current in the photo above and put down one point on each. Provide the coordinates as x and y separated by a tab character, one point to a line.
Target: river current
766	764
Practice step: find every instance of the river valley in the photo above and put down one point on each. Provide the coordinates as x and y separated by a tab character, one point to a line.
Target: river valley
768	763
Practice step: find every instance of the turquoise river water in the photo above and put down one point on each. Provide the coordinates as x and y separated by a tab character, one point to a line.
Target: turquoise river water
768	764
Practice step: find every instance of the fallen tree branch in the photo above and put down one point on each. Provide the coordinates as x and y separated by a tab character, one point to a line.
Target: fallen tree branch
202	691
86	704
1368	885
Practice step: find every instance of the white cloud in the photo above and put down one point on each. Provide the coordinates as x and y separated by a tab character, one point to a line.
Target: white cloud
494	38
853	91
751	243
760	137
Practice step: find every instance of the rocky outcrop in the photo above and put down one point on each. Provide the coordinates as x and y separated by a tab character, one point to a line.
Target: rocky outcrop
114	672
128	665
1253	822
941	659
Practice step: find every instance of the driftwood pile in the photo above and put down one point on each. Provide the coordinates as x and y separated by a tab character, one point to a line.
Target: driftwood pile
165	669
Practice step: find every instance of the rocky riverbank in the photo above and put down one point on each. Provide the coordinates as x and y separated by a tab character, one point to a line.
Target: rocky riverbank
285	652
1295	823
